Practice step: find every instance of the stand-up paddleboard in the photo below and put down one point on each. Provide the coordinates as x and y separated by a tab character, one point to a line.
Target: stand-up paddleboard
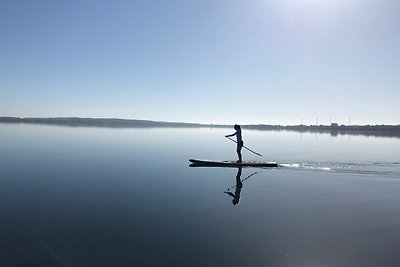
230	163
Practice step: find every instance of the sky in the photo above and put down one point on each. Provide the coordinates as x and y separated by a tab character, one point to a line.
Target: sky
225	61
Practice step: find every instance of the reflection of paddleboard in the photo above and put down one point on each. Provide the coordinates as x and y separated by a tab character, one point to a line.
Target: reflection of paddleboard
230	163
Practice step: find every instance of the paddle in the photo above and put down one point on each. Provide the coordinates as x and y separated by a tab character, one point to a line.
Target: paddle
258	154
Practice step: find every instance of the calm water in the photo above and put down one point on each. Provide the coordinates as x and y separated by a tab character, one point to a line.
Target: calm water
127	197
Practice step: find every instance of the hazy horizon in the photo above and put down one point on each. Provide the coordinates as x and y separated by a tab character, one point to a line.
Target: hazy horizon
221	62
194	122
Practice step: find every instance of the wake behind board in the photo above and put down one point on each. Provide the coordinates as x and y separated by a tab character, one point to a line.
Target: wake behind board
230	163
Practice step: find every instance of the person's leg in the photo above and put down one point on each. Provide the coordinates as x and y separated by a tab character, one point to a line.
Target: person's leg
239	151
238	181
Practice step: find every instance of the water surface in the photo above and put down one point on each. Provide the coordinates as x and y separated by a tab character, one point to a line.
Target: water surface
76	196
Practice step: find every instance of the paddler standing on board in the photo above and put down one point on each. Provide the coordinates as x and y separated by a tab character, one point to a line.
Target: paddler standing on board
239	140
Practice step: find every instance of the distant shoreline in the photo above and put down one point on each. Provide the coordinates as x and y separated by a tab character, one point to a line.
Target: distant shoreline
333	129
99	122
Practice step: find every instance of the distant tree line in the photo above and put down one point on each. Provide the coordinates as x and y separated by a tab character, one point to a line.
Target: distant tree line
97	122
334	128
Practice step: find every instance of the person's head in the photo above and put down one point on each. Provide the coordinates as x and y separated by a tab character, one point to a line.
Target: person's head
235	201
236	127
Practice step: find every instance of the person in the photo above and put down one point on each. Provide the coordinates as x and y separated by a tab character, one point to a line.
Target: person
239	140
239	185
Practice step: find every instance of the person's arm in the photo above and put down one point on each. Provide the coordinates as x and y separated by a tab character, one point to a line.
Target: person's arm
229	135
229	193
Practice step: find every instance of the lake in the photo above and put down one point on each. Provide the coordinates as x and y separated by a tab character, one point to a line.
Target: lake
77	196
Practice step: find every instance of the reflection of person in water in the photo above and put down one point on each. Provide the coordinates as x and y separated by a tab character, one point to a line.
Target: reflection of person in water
238	188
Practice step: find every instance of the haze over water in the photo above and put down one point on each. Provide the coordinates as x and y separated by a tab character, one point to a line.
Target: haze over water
76	196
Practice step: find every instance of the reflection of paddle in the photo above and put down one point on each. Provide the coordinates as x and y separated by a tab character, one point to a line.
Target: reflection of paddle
258	154
241	181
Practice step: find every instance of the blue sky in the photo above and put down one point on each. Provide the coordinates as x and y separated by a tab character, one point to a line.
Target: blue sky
225	61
